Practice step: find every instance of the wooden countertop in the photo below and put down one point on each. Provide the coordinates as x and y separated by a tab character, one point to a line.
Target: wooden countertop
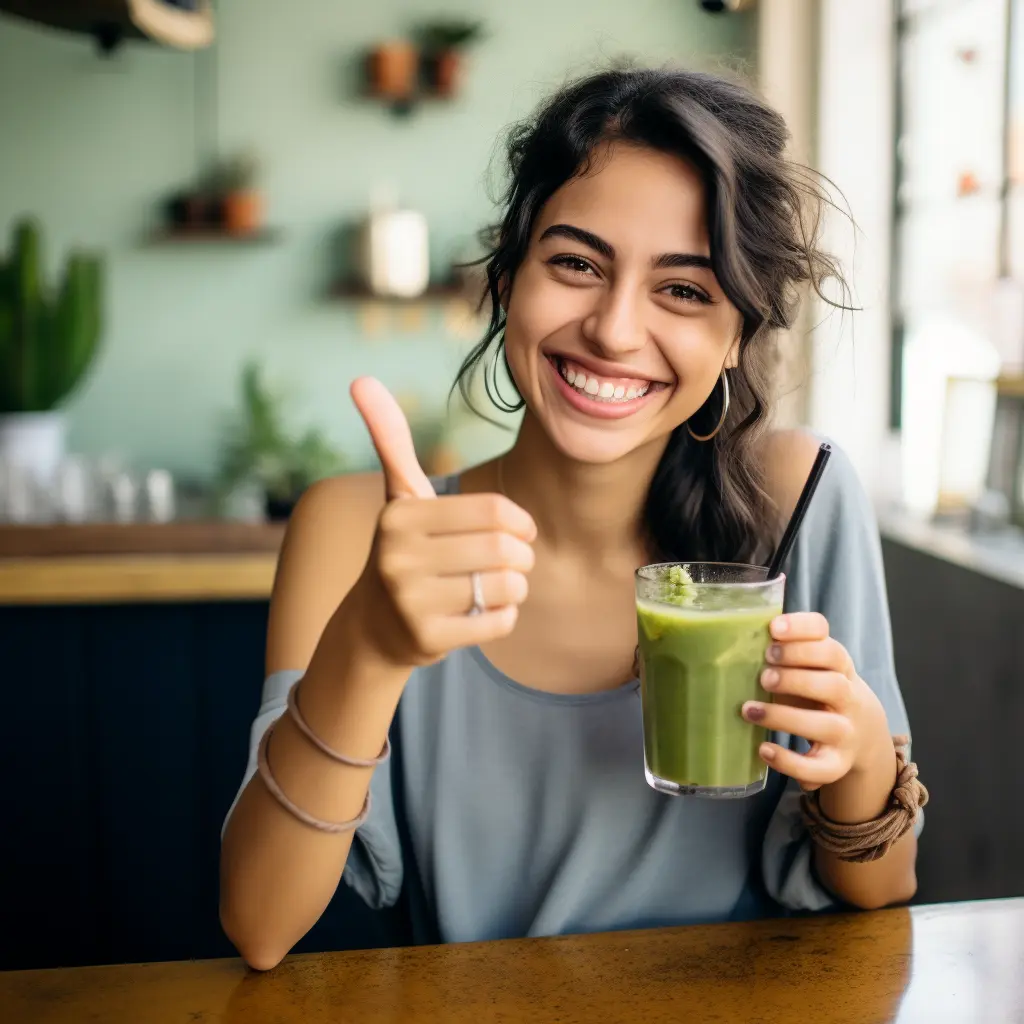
929	965
120	579
107	564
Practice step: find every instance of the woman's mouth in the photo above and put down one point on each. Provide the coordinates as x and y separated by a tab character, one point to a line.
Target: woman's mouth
606	397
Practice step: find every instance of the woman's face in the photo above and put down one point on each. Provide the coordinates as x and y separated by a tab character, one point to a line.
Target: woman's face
617	329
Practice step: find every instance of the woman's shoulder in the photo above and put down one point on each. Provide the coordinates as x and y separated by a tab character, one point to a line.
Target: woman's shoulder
787	457
326	545
340	508
329	537
341	512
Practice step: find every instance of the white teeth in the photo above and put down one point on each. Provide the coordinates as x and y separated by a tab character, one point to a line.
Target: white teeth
601	391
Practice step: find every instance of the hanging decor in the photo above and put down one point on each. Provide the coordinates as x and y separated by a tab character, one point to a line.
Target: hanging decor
181	24
430	64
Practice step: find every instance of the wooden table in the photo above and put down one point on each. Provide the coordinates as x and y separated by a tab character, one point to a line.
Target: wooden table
933	965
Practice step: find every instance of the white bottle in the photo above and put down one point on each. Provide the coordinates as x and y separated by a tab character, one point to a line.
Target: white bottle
395	253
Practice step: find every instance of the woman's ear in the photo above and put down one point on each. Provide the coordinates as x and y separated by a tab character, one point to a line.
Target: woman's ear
732	360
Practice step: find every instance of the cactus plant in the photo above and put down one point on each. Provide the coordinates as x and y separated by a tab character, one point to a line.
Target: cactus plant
47	340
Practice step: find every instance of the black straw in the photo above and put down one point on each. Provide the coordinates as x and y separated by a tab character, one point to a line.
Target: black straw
786	544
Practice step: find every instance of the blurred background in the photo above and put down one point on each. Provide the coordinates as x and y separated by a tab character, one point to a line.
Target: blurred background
214	215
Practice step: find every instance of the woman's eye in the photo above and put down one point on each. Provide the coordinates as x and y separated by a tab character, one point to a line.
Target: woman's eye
575	264
687	293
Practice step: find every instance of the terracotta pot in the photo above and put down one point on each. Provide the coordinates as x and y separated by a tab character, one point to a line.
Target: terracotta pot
243	212
393	68
447	68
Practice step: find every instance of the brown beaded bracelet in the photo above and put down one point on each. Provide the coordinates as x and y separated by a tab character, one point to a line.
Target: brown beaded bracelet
870	840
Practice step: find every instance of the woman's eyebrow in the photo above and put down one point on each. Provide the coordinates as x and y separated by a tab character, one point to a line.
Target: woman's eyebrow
587	238
681	259
665	261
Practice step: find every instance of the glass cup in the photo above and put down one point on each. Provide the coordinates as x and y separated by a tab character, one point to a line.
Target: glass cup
703	631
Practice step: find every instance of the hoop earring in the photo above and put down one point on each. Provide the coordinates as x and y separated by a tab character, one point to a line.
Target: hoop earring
721	419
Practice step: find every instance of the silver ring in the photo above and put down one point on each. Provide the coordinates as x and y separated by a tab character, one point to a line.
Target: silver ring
478	594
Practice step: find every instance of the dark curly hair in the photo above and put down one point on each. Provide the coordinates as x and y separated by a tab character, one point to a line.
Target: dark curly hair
706	500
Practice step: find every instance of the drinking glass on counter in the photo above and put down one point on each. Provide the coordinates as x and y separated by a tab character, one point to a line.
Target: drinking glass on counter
83	490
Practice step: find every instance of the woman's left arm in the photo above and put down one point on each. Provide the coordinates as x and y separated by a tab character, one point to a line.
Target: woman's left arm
819	696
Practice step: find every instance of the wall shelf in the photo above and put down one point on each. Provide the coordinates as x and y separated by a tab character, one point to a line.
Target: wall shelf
351	291
213	236
379	315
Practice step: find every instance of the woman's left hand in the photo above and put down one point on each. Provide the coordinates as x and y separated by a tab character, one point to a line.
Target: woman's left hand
819	696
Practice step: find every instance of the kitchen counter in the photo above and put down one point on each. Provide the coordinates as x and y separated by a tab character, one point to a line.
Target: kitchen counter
108	564
999	555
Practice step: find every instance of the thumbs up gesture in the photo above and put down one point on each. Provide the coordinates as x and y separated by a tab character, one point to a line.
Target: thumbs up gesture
448	571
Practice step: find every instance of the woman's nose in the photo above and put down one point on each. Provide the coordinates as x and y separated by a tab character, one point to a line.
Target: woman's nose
615	325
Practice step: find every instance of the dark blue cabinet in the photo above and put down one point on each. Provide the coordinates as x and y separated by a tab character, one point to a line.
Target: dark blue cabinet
124	739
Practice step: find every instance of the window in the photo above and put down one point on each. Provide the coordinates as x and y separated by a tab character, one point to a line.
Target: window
959	197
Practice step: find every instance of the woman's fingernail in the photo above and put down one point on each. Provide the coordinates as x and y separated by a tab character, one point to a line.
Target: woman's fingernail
770	678
752	711
774	653
780	626
766	752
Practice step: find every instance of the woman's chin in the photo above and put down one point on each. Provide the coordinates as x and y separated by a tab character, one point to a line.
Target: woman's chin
596	447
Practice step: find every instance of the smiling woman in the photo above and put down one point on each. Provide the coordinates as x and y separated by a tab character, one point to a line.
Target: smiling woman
483	626
656	211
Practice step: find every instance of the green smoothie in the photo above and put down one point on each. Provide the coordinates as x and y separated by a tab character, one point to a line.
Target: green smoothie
701	654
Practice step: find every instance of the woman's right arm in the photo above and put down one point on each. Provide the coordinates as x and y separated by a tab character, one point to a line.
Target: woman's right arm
277	874
373	580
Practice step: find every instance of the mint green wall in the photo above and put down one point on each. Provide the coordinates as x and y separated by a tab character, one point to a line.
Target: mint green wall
90	145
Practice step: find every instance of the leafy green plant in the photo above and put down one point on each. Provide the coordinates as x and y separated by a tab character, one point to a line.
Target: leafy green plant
258	448
448	34
237	173
47	339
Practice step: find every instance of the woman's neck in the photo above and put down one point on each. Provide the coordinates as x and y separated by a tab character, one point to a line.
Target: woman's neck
579	508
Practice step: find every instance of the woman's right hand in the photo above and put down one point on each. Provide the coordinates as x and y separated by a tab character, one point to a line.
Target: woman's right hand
416	591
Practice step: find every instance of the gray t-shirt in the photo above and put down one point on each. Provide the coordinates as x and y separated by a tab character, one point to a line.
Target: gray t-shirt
512	812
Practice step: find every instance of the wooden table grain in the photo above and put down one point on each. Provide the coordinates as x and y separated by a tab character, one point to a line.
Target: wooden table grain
934	965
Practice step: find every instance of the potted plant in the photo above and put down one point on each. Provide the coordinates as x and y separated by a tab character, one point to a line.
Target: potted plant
240	201
259	449
48	339
187	210
442	43
391	69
